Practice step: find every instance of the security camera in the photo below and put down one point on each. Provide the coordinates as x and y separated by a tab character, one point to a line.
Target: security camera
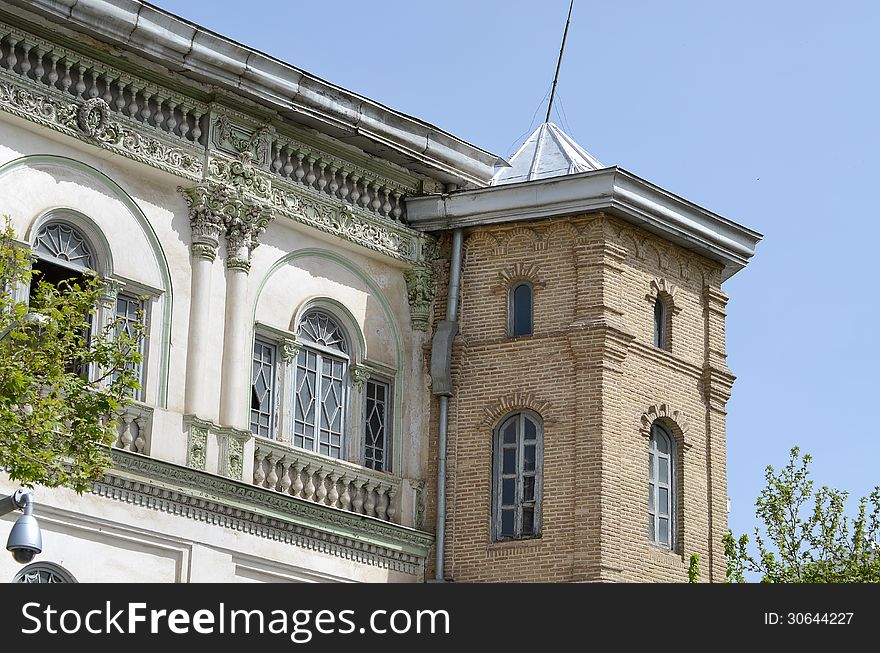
25	539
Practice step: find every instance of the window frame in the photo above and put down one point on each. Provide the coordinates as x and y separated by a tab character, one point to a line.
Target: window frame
498	477
661	324
274	387
511	308
142	302
387	450
341	355
654	457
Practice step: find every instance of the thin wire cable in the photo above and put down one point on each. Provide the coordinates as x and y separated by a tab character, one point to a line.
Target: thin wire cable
516	141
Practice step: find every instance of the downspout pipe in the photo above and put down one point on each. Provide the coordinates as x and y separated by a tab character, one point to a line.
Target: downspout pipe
441	378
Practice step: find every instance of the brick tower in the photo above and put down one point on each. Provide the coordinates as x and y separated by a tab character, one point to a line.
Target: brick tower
586	382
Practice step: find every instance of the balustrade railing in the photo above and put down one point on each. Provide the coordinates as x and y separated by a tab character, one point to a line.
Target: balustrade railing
325	174
134	423
80	77
335	483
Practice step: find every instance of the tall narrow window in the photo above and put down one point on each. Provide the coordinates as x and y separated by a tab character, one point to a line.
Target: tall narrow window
661	494
64	256
660	331
518	454
520	310
321	385
376	438
129	315
263	389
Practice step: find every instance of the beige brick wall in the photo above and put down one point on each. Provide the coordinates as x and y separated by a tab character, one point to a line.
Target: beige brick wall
591	371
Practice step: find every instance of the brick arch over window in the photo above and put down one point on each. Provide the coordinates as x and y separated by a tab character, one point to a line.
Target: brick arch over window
512	274
517	401
661	289
674	421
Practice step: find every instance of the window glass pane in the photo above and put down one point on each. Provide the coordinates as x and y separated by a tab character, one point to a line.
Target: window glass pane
530	433
651	492
509	433
663	501
662	441
522	310
507	523
528	488
663	531
651	466
659	323
651	534
509	464
508	491
528	521
664	469
375	425
263	388
529	458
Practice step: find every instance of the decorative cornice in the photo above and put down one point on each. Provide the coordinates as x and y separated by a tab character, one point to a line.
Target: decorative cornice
105	107
197	54
421	287
674	419
613	190
235	505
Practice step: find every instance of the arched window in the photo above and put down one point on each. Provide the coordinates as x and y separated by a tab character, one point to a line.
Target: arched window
520	310
321	385
65	254
661	325
43	572
518	477
661	487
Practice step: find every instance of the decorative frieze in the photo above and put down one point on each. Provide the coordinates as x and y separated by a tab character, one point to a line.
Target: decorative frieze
94	125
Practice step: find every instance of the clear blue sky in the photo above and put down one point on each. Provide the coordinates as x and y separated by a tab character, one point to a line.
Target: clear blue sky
764	112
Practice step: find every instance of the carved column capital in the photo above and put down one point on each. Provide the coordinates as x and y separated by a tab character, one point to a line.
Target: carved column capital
359	375
206	204
245	223
289	350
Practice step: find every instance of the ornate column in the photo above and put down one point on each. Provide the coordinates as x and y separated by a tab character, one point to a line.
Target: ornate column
205	202
244	222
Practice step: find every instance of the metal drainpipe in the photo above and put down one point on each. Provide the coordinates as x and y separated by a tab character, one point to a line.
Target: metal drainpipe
451	316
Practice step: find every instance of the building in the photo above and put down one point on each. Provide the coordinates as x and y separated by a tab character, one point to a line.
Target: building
332	290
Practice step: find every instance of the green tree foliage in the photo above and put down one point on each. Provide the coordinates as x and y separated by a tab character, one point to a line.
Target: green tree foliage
694	568
56	424
808	538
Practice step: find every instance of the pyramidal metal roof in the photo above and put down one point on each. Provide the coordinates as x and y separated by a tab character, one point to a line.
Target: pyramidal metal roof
548	152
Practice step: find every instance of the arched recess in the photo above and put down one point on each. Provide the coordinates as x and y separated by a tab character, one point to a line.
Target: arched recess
114	190
376	292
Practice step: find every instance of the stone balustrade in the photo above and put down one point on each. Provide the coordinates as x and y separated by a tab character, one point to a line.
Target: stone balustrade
335	483
134	423
63	71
